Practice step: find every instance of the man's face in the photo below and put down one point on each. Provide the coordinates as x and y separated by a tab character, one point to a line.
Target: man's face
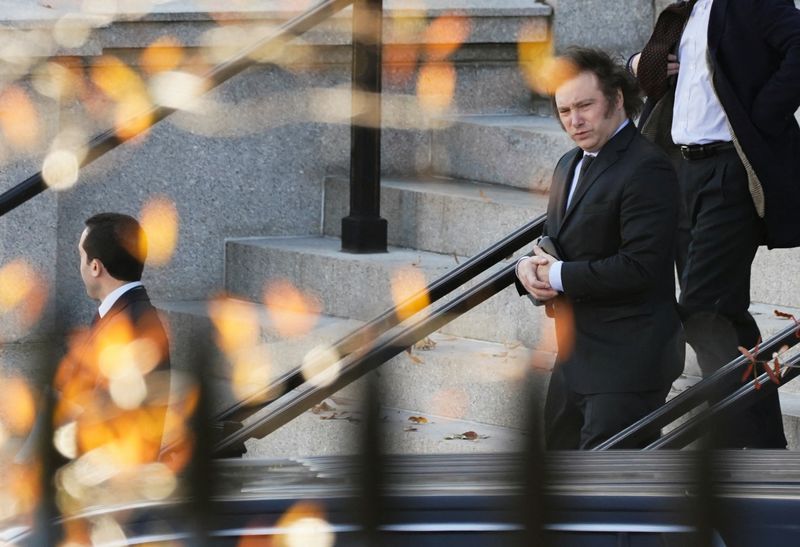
88	269
585	112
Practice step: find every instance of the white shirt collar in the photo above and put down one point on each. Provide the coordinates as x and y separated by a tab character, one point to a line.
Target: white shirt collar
114	295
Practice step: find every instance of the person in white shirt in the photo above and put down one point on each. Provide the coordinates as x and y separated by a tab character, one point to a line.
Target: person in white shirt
722	104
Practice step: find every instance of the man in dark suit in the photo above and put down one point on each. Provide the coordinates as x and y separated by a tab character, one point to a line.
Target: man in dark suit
723	84
612	293
114	382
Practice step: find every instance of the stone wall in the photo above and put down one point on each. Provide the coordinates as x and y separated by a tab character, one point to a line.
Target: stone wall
618	26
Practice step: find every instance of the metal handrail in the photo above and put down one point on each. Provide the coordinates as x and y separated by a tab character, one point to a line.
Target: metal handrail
110	139
742	398
696	395
357	364
436	290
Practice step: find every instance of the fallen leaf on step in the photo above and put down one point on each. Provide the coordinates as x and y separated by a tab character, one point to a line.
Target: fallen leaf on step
426	344
409	428
466	436
418	419
322	407
455	257
342	416
484	197
414	358
784	315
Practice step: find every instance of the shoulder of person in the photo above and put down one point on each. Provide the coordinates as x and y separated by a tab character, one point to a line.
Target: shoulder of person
565	160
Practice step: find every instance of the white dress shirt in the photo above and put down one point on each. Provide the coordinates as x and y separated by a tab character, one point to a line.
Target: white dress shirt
698	116
114	295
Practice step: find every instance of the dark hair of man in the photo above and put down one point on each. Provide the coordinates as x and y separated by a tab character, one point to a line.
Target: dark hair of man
119	242
612	76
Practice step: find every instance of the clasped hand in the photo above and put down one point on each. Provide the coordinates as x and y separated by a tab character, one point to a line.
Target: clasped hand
534	274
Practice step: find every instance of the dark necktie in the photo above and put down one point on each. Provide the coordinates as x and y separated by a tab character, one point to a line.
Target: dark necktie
652	70
587	161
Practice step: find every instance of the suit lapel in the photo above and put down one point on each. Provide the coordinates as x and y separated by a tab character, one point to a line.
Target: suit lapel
607	157
562	184
122	302
716	24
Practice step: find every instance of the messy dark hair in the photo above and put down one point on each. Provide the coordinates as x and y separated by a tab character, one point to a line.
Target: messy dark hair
613	77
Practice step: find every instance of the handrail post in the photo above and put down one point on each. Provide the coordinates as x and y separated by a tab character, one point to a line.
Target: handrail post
363	230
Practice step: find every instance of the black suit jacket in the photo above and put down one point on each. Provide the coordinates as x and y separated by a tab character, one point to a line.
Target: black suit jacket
754	48
84	383
617	324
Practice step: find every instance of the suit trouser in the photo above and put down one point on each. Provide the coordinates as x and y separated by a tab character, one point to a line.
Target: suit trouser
719	234
583	421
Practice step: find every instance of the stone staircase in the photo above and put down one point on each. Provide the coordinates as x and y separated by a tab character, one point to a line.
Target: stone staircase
485	173
455	180
470	379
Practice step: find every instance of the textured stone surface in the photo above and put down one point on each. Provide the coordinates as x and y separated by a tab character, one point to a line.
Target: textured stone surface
189	321
441	215
774	277
29	233
359	286
348	285
233	171
518	151
618	26
309	434
172	9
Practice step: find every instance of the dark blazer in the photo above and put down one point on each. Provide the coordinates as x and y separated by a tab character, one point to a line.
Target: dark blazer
617	325
84	386
754	47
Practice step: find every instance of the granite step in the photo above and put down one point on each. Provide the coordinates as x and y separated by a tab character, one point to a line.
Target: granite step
339	429
446	375
774	277
518	151
439	214
360	286
456	386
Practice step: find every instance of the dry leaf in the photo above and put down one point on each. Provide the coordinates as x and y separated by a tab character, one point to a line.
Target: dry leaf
414	358
426	344
484	197
466	436
409	428
322	407
418	419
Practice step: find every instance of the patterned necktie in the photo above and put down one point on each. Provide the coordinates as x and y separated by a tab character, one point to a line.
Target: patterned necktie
652	70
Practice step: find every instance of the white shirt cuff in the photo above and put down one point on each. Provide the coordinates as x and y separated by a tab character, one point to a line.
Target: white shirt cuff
555	276
519	261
